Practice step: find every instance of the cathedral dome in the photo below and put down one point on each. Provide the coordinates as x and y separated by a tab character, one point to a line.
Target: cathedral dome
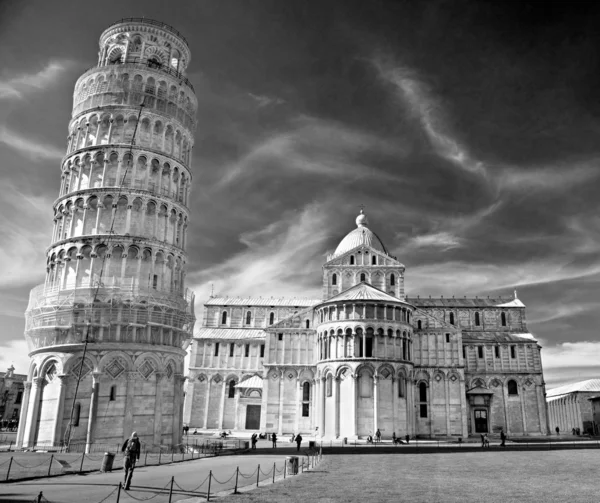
361	236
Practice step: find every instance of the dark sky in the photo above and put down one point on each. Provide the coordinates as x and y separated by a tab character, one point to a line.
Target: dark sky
468	129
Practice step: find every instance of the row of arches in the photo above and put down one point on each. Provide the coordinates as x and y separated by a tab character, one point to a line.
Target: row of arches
118	265
114	89
125	48
390	279
362	342
95	170
151	132
120	215
363	310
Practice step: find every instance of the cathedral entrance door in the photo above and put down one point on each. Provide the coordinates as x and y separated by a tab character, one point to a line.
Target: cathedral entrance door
252	417
481	421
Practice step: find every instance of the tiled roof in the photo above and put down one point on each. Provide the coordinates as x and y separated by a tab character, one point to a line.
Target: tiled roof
229	333
252	382
363	291
464	302
475	337
298	302
590	386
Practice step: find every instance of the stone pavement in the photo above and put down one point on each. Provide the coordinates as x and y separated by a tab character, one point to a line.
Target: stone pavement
147	481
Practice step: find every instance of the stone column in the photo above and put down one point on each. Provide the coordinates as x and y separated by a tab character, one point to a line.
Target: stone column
158	410
353	406
34	406
24	412
323	397
281	383
521	400
89	439
394	404
60	405
222	406
375	403
336	406
298	405
236	414
130	378
207	401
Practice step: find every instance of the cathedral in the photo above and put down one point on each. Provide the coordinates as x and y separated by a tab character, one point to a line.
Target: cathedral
366	357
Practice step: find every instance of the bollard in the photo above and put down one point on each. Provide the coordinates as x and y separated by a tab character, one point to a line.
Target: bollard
9	465
257	475
237	473
82	459
208	493
273	473
119	493
171	490
50	465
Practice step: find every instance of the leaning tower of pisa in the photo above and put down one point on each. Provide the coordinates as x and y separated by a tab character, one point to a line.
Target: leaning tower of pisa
108	329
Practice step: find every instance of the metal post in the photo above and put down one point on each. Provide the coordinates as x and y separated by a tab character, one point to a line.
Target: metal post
257	475
284	468
9	465
237	473
208	493
273	473
119	493
82	459
171	491
50	465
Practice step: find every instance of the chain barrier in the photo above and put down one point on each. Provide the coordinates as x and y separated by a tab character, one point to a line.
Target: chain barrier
265	474
251	476
162	491
192	490
109	495
7	461
45	462
223	483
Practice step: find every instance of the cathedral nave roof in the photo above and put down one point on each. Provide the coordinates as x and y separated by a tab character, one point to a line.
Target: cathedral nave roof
589	386
474	337
299	302
229	333
464	302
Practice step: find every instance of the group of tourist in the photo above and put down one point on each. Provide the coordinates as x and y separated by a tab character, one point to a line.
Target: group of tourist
9	425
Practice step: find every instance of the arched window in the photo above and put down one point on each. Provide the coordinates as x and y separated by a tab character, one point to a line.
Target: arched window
306	392
329	385
419	325
334	279
248	317
477	320
363	276
392	280
374	260
76	414
407	316
401	385
351	259
271	318
503	318
307	323
224	318
512	387
231	391
451	318
113	393
422	392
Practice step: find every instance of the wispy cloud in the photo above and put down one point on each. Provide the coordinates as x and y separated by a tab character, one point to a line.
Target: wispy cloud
29	146
15	353
264	101
572	354
316	146
17	87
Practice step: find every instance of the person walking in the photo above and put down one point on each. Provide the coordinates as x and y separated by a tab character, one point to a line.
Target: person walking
393	437
557	430
298	440
131	449
254	439
502	438
378	435
274	439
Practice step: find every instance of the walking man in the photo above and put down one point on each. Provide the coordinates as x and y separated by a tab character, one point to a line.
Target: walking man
254	438
274	439
131	448
503	438
298	440
557	430
378	435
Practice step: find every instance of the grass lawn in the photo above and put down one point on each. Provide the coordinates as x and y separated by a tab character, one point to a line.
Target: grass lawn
489	476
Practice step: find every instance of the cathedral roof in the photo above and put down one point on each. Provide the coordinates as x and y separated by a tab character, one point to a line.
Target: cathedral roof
485	336
363	291
252	382
464	302
299	302
361	236
590	386
229	333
